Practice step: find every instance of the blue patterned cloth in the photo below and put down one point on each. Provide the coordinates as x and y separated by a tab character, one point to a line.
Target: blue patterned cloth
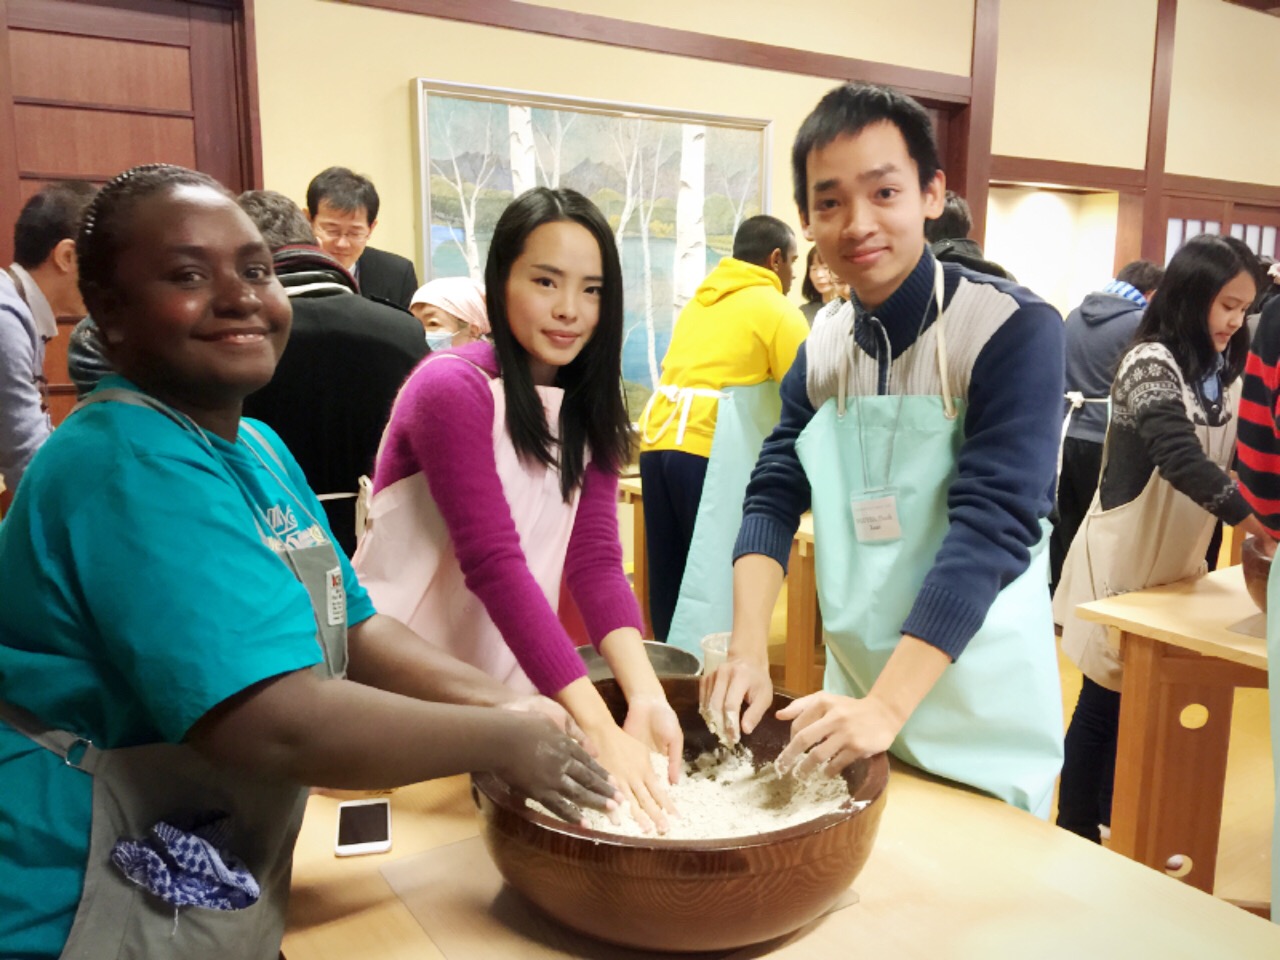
1118	288
189	867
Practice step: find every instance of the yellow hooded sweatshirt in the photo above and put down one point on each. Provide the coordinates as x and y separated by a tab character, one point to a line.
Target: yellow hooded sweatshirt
738	330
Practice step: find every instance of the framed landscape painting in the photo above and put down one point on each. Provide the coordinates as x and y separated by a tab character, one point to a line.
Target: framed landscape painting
674	185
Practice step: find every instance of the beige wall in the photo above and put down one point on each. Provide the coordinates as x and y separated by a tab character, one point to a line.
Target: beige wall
361	114
1073	80
1226	73
925	34
1066	88
1061	245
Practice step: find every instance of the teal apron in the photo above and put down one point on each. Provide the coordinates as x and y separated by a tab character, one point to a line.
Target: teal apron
134	787
994	719
745	416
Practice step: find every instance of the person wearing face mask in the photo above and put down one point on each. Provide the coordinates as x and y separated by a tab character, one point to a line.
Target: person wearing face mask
452	311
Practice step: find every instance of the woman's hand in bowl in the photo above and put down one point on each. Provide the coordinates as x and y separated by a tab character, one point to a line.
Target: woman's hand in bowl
627	759
652	721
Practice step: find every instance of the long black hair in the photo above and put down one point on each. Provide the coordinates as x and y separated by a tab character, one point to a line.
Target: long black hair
594	413
1178	314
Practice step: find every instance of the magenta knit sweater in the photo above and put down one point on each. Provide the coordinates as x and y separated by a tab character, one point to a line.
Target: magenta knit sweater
442	427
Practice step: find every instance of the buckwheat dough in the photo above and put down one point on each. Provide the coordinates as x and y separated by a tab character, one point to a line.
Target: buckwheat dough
721	795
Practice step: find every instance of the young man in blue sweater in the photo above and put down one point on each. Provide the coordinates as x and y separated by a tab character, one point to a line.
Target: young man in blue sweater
920	424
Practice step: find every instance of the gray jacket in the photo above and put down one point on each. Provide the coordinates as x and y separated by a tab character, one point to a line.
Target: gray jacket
1098	333
24	421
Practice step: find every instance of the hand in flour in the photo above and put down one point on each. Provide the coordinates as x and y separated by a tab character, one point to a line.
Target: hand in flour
721	696
652	721
628	760
829	732
555	770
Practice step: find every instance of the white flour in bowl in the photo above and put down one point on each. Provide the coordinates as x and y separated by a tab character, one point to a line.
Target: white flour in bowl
722	795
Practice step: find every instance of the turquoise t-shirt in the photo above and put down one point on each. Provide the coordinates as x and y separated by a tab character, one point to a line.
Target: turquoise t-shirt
136	594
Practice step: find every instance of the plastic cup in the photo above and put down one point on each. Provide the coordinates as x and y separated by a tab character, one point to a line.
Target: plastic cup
715	650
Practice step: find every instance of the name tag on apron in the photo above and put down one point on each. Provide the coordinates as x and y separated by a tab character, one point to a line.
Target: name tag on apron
875	516
335	597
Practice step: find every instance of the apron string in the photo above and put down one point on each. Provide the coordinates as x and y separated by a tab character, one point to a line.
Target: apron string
681	399
1077	400
948	401
59	742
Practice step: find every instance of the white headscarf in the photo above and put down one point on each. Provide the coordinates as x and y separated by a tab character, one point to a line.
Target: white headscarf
460	296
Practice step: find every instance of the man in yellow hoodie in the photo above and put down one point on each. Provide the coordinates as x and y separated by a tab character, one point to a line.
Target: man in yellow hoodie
738	330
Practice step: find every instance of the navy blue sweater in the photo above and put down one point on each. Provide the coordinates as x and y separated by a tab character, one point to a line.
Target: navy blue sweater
1005	473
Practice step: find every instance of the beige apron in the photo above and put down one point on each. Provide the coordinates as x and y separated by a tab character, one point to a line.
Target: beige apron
134	787
1159	537
407	562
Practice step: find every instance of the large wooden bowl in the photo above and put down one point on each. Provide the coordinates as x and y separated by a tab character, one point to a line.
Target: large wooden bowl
683	895
1257	571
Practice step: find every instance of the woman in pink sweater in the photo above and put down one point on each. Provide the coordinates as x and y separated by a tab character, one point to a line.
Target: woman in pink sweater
498	476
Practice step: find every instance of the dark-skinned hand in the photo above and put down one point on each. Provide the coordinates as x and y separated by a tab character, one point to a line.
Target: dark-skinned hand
551	767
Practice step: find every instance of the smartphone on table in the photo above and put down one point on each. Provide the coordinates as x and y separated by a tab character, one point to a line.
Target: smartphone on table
364	826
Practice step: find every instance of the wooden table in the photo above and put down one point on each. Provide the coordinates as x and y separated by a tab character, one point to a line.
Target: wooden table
804	619
953	875
1181	660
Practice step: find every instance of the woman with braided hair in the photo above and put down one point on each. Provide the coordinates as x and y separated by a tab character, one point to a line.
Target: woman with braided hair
181	648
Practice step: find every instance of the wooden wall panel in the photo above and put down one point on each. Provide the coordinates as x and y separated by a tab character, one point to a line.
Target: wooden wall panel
93	70
1155	220
213	76
28	187
1263	216
55	141
1128	230
928	86
149	21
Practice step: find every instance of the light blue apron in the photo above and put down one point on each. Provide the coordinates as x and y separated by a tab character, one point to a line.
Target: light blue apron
994	719
1273	689
744	419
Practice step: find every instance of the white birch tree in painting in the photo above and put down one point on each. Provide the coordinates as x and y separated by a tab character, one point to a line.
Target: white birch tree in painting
649	166
524	151
737	166
550	152
486	162
626	136
691	234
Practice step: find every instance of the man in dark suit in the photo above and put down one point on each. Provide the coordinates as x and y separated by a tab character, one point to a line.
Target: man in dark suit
346	360
343	210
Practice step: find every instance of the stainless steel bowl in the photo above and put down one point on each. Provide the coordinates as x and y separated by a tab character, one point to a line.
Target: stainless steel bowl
668	661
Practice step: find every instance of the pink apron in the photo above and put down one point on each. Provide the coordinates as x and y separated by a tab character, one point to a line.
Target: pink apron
406	558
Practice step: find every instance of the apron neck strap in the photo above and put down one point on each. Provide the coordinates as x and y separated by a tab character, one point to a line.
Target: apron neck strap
948	400
939	296
75	751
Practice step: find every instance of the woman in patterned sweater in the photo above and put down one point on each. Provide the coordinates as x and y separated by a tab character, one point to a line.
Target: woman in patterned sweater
1164	485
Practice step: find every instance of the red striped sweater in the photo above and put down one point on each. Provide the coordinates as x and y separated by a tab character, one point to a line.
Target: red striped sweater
1258	438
